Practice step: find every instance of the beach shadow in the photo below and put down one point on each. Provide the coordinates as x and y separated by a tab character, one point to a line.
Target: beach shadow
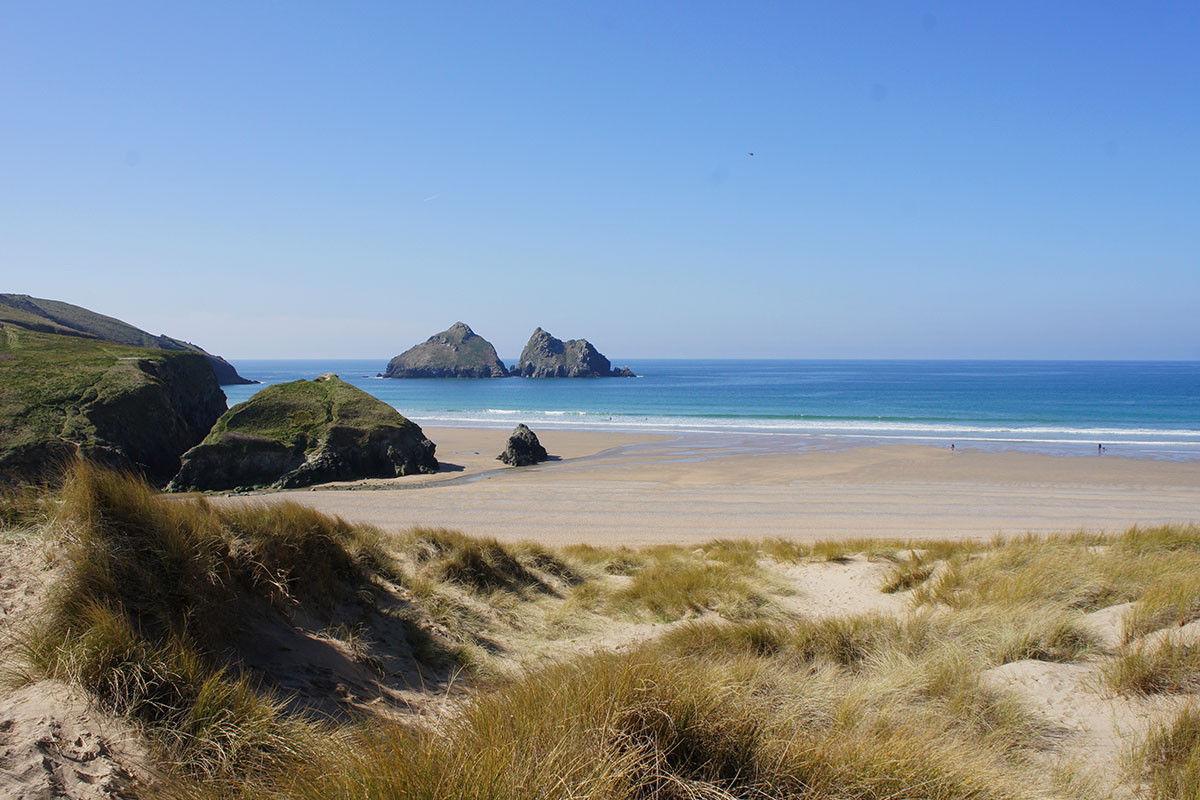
553	458
446	466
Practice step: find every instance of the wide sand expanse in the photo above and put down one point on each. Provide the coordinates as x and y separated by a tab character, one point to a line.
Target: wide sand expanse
646	489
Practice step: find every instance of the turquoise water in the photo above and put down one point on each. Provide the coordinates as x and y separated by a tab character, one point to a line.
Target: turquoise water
1146	409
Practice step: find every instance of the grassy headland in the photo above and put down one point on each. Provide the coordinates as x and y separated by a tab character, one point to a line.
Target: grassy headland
128	405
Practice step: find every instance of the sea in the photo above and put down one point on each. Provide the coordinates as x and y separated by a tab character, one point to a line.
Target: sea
1138	409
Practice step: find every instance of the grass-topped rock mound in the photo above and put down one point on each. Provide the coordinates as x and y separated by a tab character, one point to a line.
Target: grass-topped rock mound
305	432
132	407
457	352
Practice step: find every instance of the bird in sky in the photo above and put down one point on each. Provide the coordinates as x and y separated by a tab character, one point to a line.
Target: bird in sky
749	154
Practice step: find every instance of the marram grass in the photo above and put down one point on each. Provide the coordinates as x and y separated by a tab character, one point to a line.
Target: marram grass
744	701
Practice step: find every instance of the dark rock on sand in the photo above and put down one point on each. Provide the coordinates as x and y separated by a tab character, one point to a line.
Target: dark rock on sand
458	352
305	432
545	356
523	448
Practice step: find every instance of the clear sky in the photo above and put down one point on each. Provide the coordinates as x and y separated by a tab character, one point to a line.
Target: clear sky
340	179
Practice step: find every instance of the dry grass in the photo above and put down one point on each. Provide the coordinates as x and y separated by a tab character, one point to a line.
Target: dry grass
1170	758
1081	571
481	566
662	724
674	587
149	604
745	702
1173	599
1171	665
25	505
907	574
607	560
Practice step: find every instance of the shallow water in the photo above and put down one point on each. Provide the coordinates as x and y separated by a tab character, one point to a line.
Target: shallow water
1143	409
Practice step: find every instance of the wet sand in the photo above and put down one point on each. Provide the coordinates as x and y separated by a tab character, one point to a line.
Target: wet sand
639	489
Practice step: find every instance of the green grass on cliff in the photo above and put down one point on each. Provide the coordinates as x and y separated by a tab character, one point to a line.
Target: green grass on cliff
299	412
43	376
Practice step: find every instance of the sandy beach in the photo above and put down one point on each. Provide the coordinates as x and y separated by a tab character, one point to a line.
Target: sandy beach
640	489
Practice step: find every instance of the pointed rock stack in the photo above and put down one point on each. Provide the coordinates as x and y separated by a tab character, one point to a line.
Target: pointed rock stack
457	352
545	356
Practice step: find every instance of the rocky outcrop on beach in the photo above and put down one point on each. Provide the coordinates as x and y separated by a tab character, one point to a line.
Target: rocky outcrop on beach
306	432
54	316
130	407
545	356
523	448
458	352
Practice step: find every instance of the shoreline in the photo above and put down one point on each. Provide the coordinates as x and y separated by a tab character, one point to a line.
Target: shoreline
793	440
645	489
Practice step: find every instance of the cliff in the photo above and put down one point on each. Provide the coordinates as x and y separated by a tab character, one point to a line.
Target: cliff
545	356
130	407
458	352
53	316
305	432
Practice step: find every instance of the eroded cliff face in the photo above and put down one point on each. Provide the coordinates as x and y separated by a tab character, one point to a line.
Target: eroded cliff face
130	407
545	356
457	352
305	432
148	411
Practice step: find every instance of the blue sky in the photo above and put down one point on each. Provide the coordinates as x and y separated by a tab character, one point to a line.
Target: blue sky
930	180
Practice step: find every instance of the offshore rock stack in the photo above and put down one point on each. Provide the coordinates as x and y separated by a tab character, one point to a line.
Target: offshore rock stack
459	352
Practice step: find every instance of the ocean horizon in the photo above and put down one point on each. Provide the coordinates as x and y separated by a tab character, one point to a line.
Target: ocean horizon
1146	409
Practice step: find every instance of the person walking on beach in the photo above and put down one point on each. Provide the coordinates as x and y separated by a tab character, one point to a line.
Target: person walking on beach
1099	449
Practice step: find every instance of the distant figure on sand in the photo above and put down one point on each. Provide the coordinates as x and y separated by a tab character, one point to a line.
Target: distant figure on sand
952	447
1099	449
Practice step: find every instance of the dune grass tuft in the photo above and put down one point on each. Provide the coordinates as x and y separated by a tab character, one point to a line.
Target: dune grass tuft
1171	665
907	574
25	504
1170	757
656	724
677	585
148	610
1174	599
480	565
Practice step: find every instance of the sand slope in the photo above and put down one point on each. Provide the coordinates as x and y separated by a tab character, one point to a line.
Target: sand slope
53	742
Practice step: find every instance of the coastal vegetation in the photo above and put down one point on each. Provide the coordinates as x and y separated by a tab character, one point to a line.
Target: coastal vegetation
128	406
55	316
268	651
304	432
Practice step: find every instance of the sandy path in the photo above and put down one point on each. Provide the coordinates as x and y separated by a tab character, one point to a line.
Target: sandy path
633	489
